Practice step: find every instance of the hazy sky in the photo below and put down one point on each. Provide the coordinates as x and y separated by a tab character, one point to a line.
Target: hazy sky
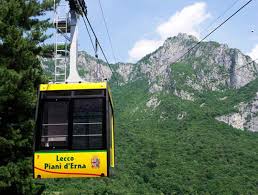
138	27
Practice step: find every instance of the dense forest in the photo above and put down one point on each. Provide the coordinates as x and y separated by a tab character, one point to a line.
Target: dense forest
21	36
174	147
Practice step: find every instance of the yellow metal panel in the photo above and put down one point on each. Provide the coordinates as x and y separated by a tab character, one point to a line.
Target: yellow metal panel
112	163
70	164
72	86
110	96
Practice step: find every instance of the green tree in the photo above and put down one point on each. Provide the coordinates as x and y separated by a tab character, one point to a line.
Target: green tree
22	30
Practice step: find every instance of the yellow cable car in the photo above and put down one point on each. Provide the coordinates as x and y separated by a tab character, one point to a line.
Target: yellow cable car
74	134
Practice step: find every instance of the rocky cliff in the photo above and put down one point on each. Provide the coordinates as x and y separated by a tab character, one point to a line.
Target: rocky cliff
246	118
214	65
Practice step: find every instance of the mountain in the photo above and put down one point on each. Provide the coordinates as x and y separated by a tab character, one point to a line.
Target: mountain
172	132
209	63
209	67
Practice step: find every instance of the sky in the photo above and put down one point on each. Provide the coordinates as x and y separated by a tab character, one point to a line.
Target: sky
138	27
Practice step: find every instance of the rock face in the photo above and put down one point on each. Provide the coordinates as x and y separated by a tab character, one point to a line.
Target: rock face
208	67
215	62
214	65
91	69
184	95
157	66
153	102
245	118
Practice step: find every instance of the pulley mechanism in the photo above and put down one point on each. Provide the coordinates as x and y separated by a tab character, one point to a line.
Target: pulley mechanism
78	6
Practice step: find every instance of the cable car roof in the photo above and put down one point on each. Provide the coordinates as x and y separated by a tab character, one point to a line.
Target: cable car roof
76	86
73	86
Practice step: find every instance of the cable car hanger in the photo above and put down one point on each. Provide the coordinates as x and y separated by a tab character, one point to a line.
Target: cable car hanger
74	133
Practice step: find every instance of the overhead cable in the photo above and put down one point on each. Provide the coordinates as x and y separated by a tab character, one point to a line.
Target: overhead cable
221	15
87	29
198	43
97	41
109	38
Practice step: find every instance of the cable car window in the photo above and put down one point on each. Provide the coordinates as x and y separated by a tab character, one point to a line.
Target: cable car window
56	93
89	92
88	124
111	132
55	125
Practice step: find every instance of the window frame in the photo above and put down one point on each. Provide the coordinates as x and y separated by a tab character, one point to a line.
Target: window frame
103	123
41	124
109	107
111	131
70	99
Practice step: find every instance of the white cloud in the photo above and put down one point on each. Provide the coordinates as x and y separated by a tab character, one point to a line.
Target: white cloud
187	20
254	53
143	47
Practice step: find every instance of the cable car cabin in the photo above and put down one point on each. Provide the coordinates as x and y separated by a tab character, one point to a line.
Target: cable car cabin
74	135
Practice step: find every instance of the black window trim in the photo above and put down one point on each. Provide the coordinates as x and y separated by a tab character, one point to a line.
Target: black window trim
70	100
104	130
43	101
72	95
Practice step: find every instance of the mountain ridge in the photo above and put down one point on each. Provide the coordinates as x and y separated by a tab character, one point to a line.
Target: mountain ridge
156	66
208	67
